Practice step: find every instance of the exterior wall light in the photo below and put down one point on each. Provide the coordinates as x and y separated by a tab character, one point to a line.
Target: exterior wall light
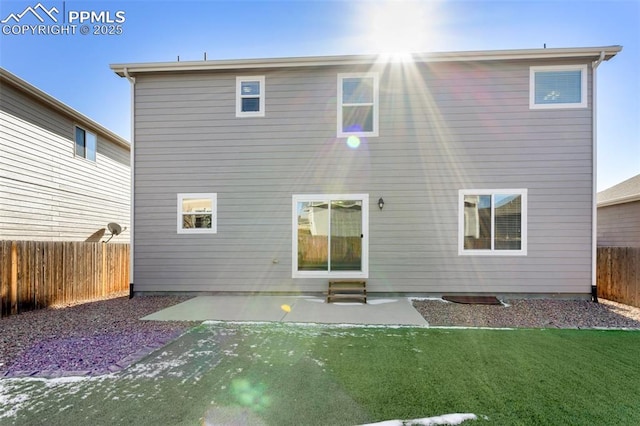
381	203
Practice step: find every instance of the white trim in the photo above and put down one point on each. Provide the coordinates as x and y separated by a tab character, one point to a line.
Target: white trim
583	86
594	181
492	192
375	104
132	164
214	216
75	144
364	273
261	96
314	61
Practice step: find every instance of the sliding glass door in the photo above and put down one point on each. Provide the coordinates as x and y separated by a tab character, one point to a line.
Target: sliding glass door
330	235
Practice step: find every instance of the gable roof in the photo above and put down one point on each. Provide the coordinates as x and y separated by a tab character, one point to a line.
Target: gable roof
590	53
30	90
624	192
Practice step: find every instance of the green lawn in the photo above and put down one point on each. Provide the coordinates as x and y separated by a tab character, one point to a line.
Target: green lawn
281	374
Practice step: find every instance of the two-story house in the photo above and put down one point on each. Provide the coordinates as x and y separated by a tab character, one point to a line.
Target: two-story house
460	172
63	177
619	214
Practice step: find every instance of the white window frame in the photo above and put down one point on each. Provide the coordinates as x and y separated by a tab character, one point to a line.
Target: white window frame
583	86
364	273
493	252
261	97
376	104
214	210
75	144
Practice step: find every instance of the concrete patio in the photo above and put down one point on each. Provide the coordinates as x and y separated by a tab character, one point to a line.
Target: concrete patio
303	309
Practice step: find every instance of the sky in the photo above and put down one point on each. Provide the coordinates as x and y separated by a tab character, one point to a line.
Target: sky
74	68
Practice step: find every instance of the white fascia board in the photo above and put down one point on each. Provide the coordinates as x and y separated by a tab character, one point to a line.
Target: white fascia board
311	61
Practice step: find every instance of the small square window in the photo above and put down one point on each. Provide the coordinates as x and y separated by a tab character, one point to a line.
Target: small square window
86	144
558	87
250	96
197	213
492	222
357	104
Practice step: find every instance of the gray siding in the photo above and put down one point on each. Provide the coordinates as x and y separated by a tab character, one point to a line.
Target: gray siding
448	127
619	225
46	193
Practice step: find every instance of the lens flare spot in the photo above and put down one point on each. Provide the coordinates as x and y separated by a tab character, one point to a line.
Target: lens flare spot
286	308
353	142
250	395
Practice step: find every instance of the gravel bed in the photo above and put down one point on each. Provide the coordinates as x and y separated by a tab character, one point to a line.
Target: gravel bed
92	338
531	313
104	336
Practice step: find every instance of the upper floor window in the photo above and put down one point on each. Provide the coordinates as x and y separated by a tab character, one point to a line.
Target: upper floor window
197	213
250	96
492	222
562	86
86	144
358	104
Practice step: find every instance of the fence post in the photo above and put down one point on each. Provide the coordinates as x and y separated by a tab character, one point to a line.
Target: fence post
633	275
609	272
103	288
13	293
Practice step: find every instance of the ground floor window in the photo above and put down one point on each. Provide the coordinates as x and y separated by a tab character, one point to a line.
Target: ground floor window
492	222
197	213
330	235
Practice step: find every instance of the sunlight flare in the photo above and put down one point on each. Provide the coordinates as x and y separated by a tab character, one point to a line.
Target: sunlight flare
398	28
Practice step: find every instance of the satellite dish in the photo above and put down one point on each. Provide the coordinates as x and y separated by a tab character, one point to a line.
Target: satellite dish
114	228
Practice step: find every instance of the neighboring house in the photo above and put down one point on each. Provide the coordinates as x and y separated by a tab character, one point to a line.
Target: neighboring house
463	172
619	214
63	177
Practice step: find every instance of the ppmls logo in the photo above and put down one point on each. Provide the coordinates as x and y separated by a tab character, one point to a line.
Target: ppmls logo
33	11
41	20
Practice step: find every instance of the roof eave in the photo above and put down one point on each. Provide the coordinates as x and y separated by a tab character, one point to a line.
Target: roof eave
63	108
620	200
311	61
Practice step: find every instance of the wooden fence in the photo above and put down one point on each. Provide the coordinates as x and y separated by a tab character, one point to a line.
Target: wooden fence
314	250
37	274
619	274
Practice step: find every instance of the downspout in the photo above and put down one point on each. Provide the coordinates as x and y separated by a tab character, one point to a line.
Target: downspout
132	204
594	214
